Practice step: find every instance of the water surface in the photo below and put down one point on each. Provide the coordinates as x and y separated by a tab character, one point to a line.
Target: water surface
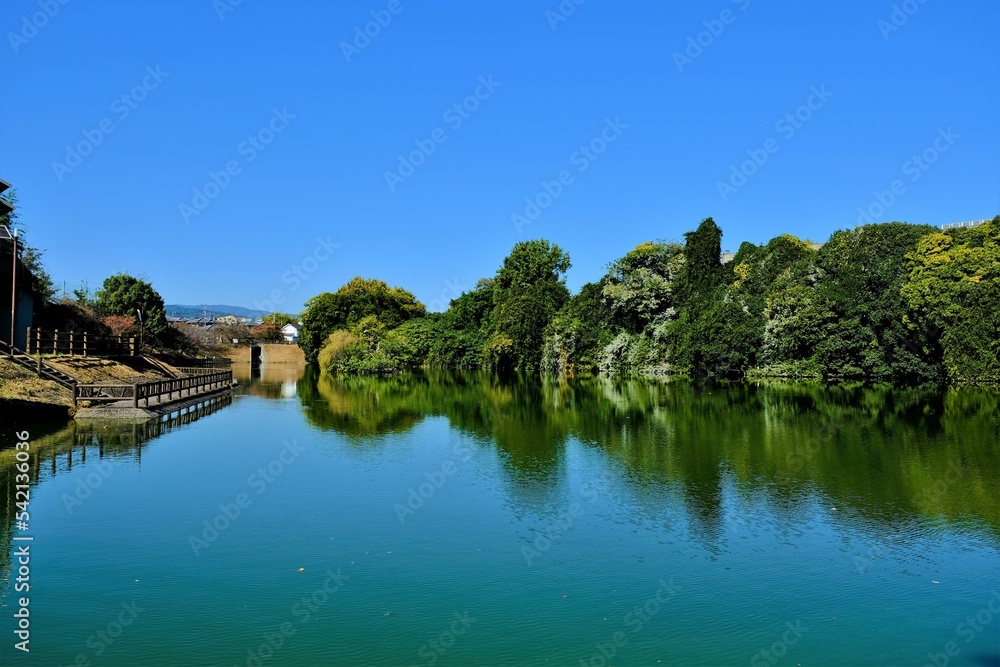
459	519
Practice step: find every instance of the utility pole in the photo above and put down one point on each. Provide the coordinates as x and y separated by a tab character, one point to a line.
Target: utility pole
13	292
139	312
5	210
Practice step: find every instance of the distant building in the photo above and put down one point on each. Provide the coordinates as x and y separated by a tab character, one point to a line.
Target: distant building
968	223
231	320
291	332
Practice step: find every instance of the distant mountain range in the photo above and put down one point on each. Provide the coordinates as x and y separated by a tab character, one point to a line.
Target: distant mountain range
213	311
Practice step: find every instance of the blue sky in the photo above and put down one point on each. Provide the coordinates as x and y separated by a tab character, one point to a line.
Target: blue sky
647	112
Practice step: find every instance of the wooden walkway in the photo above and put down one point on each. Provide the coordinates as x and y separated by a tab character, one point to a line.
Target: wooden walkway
154	394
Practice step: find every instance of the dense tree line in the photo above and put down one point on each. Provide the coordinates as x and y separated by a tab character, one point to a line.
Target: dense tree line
889	302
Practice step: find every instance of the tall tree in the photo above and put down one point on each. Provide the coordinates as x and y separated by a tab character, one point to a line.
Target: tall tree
122	294
639	287
953	296
862	273
702	271
355	300
528	290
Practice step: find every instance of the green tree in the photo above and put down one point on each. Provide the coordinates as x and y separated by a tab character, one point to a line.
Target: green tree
122	294
529	289
355	300
639	288
953	297
702	271
862	272
280	319
462	330
31	257
577	334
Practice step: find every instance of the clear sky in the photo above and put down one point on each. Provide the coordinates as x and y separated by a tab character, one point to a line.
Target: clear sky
115	113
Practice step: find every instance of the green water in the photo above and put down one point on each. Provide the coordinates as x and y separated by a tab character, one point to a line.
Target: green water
467	520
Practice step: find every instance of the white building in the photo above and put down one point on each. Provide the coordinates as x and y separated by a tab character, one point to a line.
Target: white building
291	332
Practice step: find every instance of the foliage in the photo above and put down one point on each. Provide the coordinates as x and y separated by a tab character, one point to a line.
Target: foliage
953	299
462	329
639	287
372	348
343	309
529	289
861	274
702	271
123	294
121	325
82	294
280	319
335	349
31	257
891	302
575	336
269	332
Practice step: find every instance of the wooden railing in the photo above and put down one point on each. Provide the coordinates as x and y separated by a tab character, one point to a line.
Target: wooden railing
196	370
183	387
79	343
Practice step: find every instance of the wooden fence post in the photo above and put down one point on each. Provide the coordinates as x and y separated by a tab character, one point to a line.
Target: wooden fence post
27	342
71	343
55	342
84	343
38	343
